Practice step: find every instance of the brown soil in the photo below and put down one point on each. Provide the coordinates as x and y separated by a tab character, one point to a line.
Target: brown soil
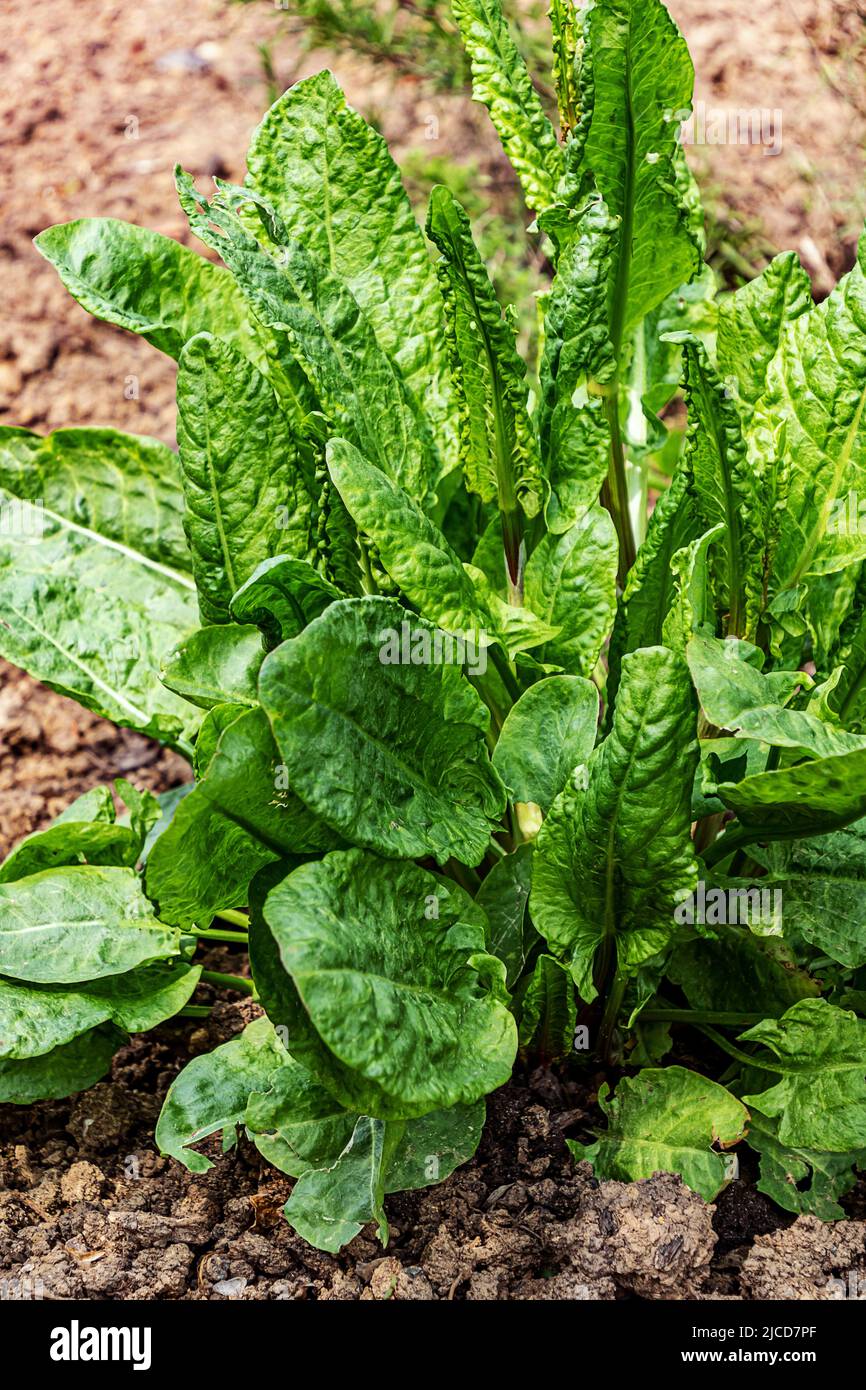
90	1211
98	101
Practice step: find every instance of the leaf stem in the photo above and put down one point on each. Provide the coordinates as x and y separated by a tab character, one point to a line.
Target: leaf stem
609	1018
238	919
504	671
216	977
239	938
745	1057
699	1016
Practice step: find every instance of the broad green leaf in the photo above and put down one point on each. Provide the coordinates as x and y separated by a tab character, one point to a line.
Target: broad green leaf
812	798
329	1206
82	923
736	696
547	1013
149	284
820	1052
281	596
246	496
822	881
614	857
571	584
292	291
216	666
638	84
410	546
503	897
651	587
724	490
578	359
332	180
432	1146
692	610
241	816
124	487
295	1123
97	804
550	729
168	804
565	41
739	973
751	322
71	842
804	1181
212	1092
74	1066
390	755
399	1009
214	724
36	1018
667	1121
498	447
847	699
501	82
91	618
807	441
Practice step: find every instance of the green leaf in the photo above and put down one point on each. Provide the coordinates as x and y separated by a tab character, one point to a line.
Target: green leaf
614	857
667	1121
807	444
149	284
292	291
332	180
804	1181
847	699
75	1066
241	816
296	1124
81	923
216	666
739	973
578	357
212	1092
498	448
91	617
501	82
639	83
736	696
820	1052
651	586
390	755
399	1009
503	897
751	323
693	609
411	547
565	40
34	1019
329	1206
246	496
571	584
124	487
724	490
822	880
71	842
434	1145
281	596
809	799
546	734
548	1013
